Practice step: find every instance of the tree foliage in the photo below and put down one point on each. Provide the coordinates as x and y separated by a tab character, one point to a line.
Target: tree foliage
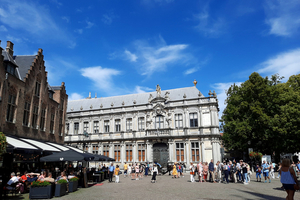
3	143
263	114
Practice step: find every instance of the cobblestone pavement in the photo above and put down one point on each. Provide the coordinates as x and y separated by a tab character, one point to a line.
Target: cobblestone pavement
182	188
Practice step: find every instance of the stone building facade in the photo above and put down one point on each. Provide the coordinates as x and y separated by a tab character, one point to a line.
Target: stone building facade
177	125
29	106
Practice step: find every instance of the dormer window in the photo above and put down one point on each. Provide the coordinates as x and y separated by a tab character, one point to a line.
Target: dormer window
50	95
10	69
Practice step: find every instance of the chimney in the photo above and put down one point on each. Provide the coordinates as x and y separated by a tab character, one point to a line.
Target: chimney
10	48
96	95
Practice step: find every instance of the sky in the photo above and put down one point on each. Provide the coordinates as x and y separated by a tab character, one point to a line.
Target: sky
112	47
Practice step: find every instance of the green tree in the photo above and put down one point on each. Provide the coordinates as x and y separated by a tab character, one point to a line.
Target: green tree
263	114
3	143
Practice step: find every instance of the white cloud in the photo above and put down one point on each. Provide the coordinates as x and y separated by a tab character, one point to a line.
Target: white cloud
89	24
158	56
75	96
130	56
283	17
33	18
108	18
102	77
65	18
3	28
221	90
285	64
209	26
141	89
191	70
80	31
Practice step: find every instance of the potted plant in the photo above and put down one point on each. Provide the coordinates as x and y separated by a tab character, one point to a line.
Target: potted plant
61	187
101	176
73	184
40	190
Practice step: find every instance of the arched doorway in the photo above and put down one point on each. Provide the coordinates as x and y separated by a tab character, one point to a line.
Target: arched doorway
161	154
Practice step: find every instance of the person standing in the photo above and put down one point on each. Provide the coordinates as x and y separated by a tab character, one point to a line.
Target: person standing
258	172
125	169
211	171
154	173
288	178
226	170
174	173
245	170
117	170
265	168
137	171
192	172
147	169
200	171
111	170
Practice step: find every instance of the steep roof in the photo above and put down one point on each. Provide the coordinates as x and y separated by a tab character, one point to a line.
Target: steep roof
24	63
140	99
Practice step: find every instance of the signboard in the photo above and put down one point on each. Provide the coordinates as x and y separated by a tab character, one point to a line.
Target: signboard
266	158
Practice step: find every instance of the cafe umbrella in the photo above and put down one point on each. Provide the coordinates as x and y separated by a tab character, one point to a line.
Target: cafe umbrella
69	155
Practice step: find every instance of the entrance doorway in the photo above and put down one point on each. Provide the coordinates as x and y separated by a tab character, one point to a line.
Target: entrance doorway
161	154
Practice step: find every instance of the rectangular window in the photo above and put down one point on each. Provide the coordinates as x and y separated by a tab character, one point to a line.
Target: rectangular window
35	116
118	125
129	124
86	127
10	69
106	126
142	152
42	122
117	150
195	151
76	128
86	149
141	123
52	123
159	122
193	120
26	114
129	152
11	108
180	152
106	150
178	121
95	149
37	89
96	126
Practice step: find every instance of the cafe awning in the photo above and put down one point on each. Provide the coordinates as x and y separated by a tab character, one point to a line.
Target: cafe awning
19	143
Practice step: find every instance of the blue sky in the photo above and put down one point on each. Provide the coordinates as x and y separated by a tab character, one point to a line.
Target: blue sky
120	47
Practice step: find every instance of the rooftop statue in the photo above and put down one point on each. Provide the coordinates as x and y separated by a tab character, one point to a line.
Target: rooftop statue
158	90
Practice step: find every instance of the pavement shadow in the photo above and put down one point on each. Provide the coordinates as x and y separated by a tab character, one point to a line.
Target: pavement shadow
278	188
260	196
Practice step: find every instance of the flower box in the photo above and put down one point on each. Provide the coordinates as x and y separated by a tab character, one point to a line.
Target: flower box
73	186
60	189
44	192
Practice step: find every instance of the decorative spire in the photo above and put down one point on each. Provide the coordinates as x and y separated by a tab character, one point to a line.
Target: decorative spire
195	82
210	93
101	106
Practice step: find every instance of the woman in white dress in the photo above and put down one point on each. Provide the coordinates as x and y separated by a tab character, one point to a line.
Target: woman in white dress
192	172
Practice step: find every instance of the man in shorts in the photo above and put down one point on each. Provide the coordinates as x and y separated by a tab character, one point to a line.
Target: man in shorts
265	168
125	169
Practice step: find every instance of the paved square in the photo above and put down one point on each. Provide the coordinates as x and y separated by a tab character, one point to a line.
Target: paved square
182	188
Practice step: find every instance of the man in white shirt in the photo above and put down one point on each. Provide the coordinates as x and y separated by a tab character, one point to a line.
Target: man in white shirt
12	180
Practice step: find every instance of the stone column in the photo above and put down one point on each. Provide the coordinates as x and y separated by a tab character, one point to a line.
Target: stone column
80	131
111	150
202	150
123	153
171	150
100	150
214	150
187	150
71	127
134	151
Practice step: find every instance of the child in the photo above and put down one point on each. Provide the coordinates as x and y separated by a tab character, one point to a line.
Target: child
117	170
258	172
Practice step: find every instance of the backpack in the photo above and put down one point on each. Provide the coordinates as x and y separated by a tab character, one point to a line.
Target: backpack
179	167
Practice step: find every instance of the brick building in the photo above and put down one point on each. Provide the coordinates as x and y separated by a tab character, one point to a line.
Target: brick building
29	106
